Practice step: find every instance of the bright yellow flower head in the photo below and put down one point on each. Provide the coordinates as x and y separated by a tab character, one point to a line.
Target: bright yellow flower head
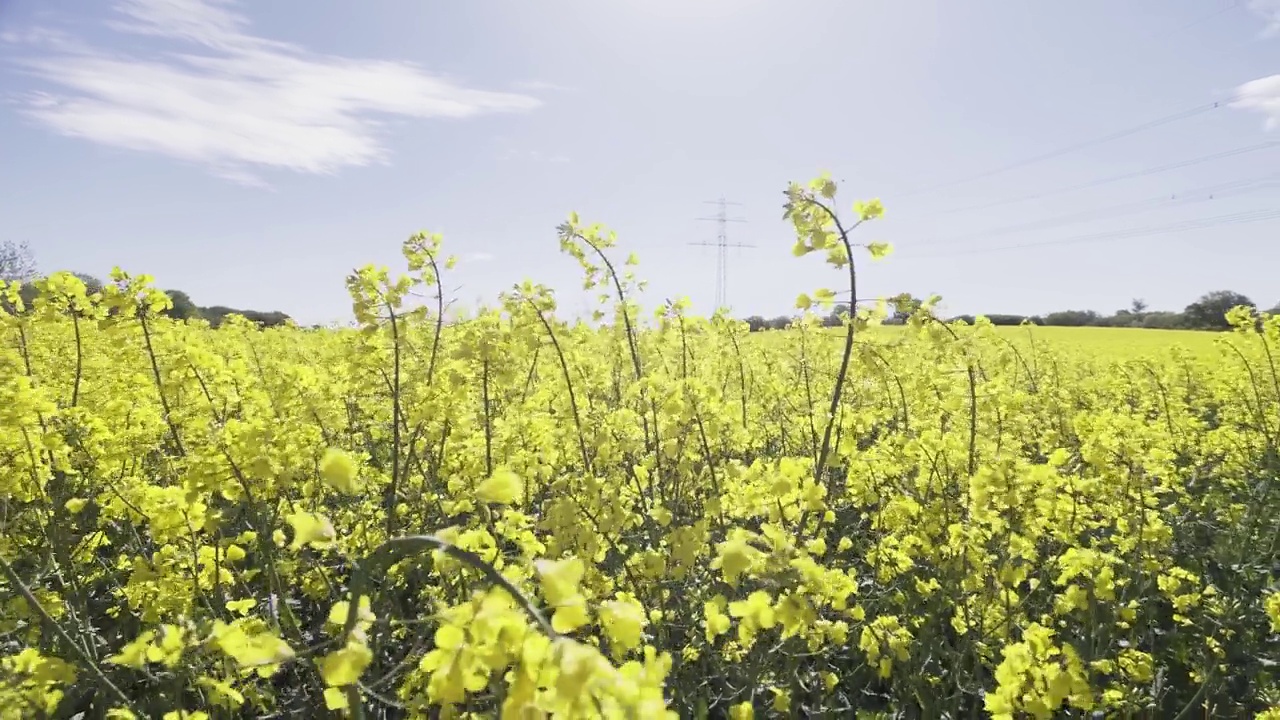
1273	610
624	621
736	557
310	529
560	578
344	667
502	488
338	470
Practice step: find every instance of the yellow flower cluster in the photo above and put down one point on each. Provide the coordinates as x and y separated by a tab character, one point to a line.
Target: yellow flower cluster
642	516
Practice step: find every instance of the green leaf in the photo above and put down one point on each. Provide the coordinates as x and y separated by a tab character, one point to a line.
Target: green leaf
804	302
800	249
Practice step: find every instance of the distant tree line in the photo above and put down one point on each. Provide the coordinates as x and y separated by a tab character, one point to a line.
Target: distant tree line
1207	313
833	319
18	263
183	309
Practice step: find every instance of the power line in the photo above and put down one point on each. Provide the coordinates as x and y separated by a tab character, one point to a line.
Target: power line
1200	20
1269	145
1150	124
1200	194
722	246
1210	16
1239	218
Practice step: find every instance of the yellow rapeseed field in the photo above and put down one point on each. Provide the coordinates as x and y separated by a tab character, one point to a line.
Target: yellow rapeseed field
656	516
1115	343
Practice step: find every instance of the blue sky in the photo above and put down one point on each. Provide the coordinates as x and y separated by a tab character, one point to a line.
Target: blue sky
253	153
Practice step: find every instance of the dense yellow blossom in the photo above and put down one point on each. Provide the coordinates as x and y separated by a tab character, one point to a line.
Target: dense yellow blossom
645	515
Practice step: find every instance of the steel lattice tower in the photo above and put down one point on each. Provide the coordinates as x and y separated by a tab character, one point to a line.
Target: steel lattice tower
722	245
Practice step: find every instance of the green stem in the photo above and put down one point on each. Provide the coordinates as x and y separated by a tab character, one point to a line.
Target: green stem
23	590
388	553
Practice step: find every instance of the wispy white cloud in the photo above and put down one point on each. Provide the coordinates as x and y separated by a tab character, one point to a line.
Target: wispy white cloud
1269	11
477	257
231	101
48	37
1261	95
